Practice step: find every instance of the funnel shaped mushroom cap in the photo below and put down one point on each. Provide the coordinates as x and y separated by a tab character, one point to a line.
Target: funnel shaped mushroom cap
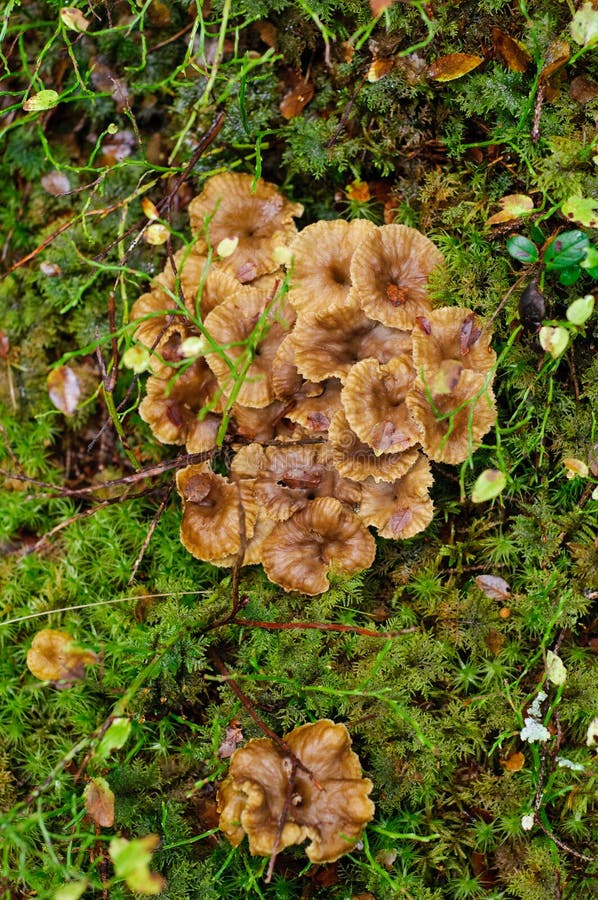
451	333
322	255
401	508
329	342
230	326
390	272
374	402
358	461
258	215
171	407
211	523
331	809
155	309
325	535
455	424
290	476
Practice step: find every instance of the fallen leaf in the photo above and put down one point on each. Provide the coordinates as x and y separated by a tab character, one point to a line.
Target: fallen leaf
74	19
294	102
99	802
64	389
513	763
555	668
54	656
453	65
583	89
557	55
575	467
513	206
359	191
379	68
233	736
494	587
72	890
55	183
512	52
584	26
583	210
41	101
495	641
159	14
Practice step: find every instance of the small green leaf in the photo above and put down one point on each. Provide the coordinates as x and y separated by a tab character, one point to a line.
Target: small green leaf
584	26
554	340
580	310
522	249
590	260
570	275
488	485
115	737
583	210
131	861
40	101
71	891
555	669
566	250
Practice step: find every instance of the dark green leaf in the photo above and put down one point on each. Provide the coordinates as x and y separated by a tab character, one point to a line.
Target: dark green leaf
521	248
570	275
568	248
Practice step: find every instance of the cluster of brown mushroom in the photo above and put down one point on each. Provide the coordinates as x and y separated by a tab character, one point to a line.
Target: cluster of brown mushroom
307	787
333	395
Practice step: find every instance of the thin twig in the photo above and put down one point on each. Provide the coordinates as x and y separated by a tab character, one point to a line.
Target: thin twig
323	626
150	532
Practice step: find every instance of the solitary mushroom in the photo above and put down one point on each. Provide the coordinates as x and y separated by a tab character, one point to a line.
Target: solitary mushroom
326	535
374	402
322	255
277	803
235	206
390	272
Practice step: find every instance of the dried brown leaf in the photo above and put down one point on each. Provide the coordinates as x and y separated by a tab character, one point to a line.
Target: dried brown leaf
64	389
513	763
99	802
512	52
294	102
453	65
494	587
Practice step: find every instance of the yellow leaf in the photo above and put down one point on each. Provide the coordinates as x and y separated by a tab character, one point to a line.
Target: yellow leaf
453	65
513	206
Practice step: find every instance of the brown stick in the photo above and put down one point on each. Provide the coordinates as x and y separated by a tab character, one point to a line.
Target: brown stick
322	626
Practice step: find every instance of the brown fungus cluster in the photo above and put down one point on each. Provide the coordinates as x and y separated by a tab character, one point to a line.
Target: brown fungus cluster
333	385
307	787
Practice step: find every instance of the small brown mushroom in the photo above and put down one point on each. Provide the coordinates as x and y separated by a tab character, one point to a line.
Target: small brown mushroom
234	205
290	476
277	804
455	411
390	272
451	333
326	535
329	342
232	326
212	508
374	402
358	461
176	408
401	508
55	656
322	255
